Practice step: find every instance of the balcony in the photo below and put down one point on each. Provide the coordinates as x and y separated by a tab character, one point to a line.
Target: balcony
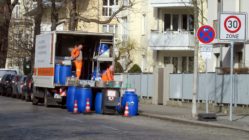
171	40
171	3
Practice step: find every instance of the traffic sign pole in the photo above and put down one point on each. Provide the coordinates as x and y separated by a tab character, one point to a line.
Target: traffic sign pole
206	89
206	35
231	83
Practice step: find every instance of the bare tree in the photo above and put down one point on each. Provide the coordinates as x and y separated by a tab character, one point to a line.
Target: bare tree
6	8
37	28
54	15
125	49
75	17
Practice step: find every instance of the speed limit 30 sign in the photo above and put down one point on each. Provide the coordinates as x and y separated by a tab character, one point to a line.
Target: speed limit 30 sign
233	26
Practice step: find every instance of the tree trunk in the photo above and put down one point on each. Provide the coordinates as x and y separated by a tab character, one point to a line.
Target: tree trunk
73	14
195	78
37	29
6	8
4	28
54	16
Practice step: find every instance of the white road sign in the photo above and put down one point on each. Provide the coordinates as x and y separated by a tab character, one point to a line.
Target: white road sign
233	26
206	48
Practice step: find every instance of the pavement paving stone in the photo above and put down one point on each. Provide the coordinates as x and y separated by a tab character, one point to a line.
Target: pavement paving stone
183	114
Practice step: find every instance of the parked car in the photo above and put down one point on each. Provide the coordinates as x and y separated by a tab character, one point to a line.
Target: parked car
6	84
20	86
14	84
7	71
28	88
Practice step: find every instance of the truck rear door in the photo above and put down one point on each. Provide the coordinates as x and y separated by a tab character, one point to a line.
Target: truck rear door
44	61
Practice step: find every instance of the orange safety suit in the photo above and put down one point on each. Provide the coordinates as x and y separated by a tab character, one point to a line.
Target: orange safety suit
107	75
77	57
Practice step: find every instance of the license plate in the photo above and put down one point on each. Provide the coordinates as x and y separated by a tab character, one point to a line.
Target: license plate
57	96
111	93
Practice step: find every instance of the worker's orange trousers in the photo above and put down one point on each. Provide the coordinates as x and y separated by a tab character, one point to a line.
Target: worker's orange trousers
78	65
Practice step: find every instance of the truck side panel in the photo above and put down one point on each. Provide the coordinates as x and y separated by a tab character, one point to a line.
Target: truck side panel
44	61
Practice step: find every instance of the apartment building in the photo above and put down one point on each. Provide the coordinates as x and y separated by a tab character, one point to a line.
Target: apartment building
172	35
221	49
162	31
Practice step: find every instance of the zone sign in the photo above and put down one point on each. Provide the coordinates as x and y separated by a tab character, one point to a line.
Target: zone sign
233	26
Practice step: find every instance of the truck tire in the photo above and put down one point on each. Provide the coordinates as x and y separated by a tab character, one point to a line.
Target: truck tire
46	99
35	100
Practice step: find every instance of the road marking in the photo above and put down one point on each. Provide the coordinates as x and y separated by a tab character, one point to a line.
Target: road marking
72	119
105	126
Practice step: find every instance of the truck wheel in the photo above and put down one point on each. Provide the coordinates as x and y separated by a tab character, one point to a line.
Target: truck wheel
35	100
46	99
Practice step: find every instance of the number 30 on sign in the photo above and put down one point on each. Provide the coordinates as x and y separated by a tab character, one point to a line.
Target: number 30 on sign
232	26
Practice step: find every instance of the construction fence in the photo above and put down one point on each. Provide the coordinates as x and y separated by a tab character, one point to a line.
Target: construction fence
216	86
180	86
143	83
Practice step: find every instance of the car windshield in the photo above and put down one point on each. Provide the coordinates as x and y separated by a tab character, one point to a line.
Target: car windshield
3	72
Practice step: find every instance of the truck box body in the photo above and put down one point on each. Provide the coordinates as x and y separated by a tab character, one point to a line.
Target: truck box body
55	46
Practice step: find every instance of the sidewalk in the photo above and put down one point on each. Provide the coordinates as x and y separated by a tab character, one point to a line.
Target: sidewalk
183	115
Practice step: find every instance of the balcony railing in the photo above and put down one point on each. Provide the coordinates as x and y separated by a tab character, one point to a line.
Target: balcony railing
171	3
171	40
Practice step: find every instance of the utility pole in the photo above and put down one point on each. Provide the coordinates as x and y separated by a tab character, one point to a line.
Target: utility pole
196	47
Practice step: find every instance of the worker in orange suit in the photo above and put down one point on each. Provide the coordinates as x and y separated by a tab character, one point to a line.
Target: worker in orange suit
76	55
108	75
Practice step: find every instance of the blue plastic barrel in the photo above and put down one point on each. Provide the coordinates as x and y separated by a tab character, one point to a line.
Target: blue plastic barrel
70	98
57	74
81	96
65	71
131	98
98	103
104	50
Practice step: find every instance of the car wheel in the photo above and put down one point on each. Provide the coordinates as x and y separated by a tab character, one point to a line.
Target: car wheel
1	91
35	100
9	91
27	98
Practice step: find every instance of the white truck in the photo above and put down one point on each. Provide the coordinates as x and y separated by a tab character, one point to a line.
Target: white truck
56	46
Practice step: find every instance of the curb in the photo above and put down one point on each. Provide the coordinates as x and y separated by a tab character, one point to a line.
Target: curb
192	122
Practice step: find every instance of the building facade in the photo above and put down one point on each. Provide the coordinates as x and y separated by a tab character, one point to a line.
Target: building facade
161	32
221	49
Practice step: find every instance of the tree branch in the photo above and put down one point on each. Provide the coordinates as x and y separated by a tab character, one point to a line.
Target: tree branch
13	4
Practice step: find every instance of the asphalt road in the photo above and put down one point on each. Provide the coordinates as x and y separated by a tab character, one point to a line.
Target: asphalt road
21	120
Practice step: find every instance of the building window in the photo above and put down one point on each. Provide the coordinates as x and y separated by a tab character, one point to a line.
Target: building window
109	7
185	22
191	64
17	11
184	64
143	24
191	22
176	22
108	28
125	29
126	2
167	22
